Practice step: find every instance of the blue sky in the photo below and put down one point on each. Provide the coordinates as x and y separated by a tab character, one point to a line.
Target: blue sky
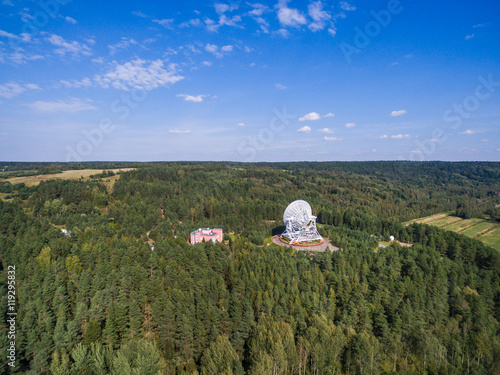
249	81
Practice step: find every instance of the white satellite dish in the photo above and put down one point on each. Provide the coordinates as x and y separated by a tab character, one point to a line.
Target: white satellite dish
300	223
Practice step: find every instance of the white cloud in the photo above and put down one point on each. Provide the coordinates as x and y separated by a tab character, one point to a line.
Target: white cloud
11	89
206	63
467	37
85	82
468	132
8	35
211	25
319	16
417	151
258	9
385	136
7	2
241	124
70	20
226	21
166	23
310	117
304	129
332	31
20	58
288	16
283	32
123	44
71	106
177	131
326	130
139	74
223	8
280	86
350	125
346	6
332	139
214	49
329	115
191	98
139	14
98	60
399	113
75	48
196	22
256	13
400	136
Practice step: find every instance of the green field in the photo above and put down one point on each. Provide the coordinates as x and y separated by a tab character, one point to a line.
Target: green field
483	230
68	175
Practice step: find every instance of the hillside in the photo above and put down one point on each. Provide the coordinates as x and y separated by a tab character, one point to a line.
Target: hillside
99	300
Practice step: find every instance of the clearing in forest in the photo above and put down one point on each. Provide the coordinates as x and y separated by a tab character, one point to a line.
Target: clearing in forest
486	231
69	175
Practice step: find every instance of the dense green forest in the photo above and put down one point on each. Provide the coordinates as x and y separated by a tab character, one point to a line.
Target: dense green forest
99	299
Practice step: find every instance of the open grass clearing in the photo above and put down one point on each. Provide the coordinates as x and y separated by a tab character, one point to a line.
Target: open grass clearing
69	175
486	231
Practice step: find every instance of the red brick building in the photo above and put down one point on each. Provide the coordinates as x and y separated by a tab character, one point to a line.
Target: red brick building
207	234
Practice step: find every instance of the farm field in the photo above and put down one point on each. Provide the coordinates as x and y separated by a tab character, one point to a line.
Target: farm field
68	175
486	231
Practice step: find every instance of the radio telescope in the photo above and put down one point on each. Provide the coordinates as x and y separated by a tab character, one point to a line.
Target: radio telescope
300	223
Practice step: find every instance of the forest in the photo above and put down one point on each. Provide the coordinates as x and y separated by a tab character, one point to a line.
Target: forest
100	299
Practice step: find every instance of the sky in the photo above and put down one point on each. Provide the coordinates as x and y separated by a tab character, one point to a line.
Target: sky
249	81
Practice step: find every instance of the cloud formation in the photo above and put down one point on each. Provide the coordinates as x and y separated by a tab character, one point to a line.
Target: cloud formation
400	136
191	98
139	74
346	6
63	47
304	129
59	106
10	89
332	138
399	113
216	51
288	16
319	16
350	125
468	132
326	130
313	116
